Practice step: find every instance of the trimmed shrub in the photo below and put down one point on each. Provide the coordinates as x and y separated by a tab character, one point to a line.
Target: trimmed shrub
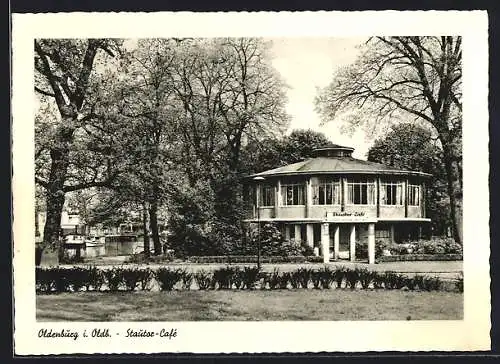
187	279
61	283
145	278
339	275
224	276
95	278
418	281
366	277
273	279
378	280
44	279
294	280
394	280
131	278
303	277
250	277
203	279
352	277
74	279
167	278
431	284
77	278
316	279
411	283
113	278
238	278
326	276
284	279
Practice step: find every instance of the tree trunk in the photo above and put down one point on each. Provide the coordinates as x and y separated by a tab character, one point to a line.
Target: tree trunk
153	224
145	229
55	198
37	223
448	164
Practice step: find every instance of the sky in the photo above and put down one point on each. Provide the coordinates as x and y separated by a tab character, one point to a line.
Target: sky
306	64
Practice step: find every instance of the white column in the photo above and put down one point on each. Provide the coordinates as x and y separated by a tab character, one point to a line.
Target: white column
336	242
287	232
310	235
371	243
392	233
298	236
325	242
257	195
352	243
308	197
343	182
277	198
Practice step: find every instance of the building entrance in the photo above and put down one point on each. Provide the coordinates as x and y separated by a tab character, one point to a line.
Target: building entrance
344	236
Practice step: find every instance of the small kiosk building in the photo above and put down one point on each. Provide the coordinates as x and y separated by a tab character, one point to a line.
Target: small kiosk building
332	201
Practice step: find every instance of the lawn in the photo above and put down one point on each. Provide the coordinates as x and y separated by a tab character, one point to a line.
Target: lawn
328	305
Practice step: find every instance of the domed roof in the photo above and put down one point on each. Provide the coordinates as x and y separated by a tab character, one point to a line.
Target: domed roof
333	150
335	159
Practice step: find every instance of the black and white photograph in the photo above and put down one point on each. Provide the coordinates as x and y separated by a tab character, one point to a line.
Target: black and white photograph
301	181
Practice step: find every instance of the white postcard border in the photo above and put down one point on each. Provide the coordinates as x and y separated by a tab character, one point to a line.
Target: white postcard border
471	333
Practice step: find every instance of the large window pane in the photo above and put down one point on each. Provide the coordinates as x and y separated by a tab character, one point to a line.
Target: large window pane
414	195
360	192
392	193
327	192
294	194
322	194
267	196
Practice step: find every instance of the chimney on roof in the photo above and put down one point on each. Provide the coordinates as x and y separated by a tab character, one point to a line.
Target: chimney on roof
334	151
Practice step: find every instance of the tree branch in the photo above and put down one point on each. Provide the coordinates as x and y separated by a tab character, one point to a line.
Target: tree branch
41	182
46	93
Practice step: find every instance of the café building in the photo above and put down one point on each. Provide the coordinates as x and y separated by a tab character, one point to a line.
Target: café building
332	200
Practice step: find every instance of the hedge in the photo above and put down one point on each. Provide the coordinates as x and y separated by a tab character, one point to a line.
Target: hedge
76	279
228	259
419	257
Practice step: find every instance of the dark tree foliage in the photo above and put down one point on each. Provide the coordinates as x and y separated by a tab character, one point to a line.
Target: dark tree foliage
73	145
408	146
276	152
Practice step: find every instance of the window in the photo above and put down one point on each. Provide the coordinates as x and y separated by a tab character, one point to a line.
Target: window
360	192
413	195
326	193
292	194
381	234
266	196
391	193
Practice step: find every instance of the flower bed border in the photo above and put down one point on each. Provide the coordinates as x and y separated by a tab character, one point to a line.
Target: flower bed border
418	257
229	259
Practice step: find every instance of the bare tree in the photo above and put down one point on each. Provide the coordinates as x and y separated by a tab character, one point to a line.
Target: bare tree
229	95
148	104
397	78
